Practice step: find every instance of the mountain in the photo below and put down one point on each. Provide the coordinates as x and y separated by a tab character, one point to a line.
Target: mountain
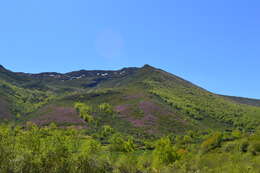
242	100
144	101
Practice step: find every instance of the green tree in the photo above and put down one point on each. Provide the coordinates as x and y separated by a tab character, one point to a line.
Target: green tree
84	111
164	153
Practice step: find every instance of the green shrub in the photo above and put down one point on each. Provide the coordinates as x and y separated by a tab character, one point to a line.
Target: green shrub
127	164
254	147
90	146
119	143
84	111
236	134
106	131
212	142
231	147
106	108
164	153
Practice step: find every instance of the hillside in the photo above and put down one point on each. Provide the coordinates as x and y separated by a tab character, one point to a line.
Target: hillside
242	100
143	101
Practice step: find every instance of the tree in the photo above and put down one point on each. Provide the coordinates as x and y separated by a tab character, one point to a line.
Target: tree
84	111
165	152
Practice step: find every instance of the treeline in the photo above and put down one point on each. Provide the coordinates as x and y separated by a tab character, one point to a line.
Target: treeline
31	149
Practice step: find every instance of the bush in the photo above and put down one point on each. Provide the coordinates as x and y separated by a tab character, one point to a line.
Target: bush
164	153
118	143
127	164
84	111
90	146
106	108
236	134
231	147
106	131
254	147
212	142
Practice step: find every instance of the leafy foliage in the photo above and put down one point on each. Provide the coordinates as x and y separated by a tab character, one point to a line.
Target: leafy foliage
24	101
106	108
212	142
84	112
164	152
54	150
118	143
200	104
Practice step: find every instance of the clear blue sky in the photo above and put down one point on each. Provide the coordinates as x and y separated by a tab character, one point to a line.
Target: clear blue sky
214	44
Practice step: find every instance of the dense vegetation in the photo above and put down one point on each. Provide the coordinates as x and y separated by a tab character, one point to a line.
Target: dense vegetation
199	105
32	149
23	100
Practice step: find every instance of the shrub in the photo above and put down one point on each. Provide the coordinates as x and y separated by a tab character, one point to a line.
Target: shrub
212	142
84	111
106	108
254	147
231	147
127	164
106	131
118	143
236	134
164	152
90	146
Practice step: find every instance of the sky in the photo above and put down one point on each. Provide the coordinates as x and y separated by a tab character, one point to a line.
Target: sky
214	44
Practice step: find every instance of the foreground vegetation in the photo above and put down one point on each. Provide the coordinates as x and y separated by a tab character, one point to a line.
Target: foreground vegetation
50	149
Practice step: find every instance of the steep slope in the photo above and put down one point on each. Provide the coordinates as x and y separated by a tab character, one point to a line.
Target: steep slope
144	100
9	76
195	102
242	100
16	101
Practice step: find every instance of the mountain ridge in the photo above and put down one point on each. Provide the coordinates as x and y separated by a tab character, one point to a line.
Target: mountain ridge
83	71
142	99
